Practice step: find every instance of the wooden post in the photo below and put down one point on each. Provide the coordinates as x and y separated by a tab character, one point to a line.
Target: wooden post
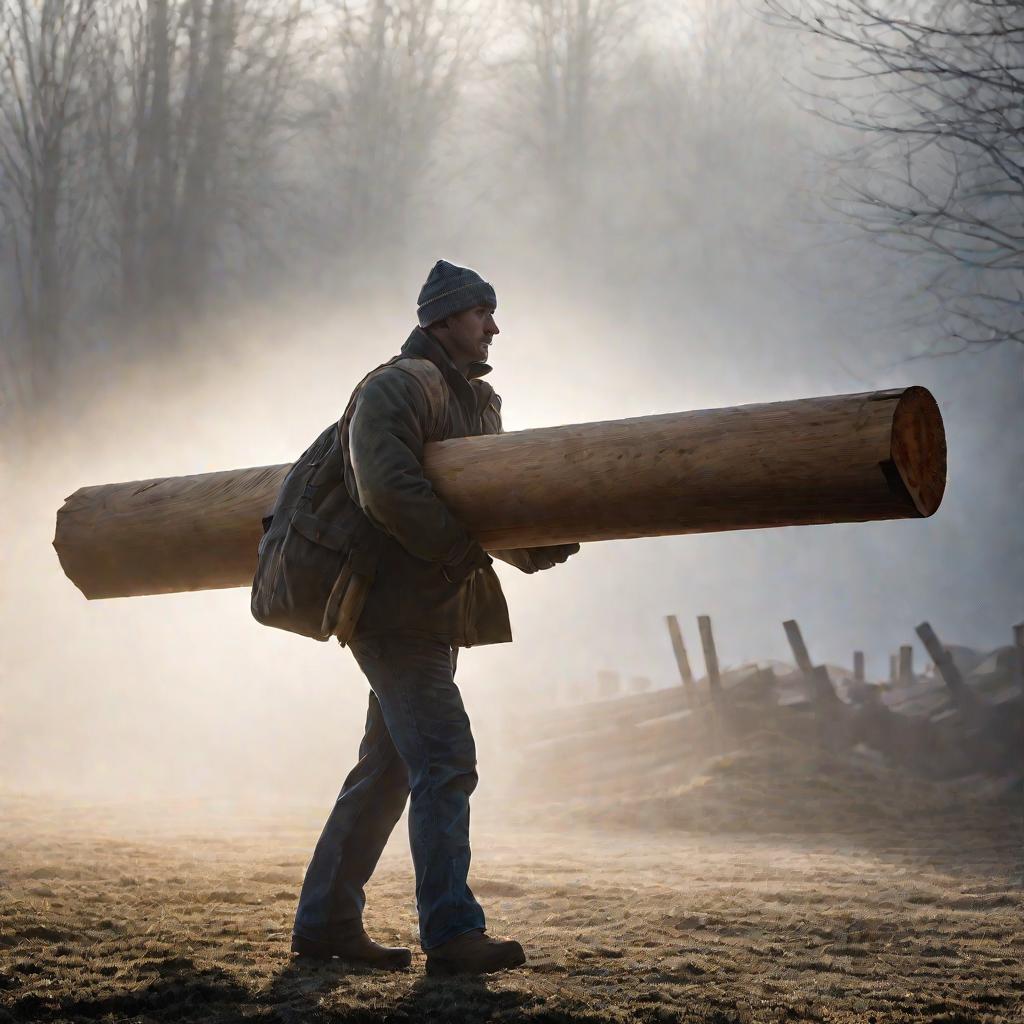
1018	642
799	648
707	641
893	668
845	458
821	683
906	669
858	666
817	676
962	697
682	659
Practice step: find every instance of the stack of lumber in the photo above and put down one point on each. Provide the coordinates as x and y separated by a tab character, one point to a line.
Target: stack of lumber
921	726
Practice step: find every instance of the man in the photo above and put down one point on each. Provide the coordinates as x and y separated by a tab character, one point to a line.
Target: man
433	591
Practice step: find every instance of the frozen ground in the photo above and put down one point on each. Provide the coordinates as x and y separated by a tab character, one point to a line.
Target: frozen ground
157	913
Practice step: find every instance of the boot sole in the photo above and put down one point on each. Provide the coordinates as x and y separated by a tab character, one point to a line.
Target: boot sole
377	965
306	950
447	969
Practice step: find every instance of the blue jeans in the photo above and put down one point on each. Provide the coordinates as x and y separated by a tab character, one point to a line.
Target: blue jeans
417	741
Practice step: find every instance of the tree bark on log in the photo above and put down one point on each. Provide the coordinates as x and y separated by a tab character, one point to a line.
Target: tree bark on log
845	458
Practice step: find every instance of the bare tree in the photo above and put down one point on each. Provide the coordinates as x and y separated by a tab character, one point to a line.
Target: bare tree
386	89
936	90
567	58
700	137
45	54
191	100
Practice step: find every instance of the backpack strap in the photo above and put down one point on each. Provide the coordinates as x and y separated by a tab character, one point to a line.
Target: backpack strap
430	381
488	403
434	388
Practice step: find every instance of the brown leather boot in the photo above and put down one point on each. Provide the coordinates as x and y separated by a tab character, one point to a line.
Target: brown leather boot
357	948
474	953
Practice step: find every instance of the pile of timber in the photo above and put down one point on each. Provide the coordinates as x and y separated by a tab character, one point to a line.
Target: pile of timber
962	716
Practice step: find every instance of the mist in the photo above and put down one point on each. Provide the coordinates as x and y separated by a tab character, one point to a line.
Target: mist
658	229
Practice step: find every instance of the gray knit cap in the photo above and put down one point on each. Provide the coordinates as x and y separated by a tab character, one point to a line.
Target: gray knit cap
450	289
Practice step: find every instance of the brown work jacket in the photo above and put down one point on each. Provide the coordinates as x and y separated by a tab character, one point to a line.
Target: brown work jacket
392	416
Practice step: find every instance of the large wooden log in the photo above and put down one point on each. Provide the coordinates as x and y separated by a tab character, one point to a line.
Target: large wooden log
845	458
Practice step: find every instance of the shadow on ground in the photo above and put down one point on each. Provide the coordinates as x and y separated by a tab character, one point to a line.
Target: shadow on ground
184	991
912	921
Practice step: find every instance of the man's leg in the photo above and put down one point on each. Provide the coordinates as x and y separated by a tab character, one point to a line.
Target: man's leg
414	681
366	811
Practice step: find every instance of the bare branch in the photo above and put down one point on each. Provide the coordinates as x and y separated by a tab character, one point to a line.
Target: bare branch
937	94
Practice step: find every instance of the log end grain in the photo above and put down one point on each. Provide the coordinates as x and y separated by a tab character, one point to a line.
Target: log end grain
919	448
166	535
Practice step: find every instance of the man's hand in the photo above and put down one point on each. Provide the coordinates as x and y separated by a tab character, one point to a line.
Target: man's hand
552	555
475	558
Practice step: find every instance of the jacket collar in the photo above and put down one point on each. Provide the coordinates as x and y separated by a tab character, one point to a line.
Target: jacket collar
422	344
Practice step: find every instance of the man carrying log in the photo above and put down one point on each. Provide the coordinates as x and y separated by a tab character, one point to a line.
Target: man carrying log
433	591
417	585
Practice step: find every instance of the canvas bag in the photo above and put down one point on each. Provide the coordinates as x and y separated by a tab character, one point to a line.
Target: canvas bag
318	555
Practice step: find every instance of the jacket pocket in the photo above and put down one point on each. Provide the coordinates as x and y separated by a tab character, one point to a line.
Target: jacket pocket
302	578
351	607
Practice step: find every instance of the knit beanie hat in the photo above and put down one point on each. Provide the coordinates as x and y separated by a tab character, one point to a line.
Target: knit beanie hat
450	289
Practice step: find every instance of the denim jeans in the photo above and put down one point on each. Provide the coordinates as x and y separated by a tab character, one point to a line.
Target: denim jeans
417	741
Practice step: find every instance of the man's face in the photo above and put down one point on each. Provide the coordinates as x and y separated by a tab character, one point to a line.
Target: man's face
467	337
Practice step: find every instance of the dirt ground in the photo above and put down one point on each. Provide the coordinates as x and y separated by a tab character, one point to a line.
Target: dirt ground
157	913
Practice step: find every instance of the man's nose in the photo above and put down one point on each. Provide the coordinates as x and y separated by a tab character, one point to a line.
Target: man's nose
491	327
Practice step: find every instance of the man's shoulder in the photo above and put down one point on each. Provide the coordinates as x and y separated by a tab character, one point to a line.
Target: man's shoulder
486	393
423	370
401	372
412	378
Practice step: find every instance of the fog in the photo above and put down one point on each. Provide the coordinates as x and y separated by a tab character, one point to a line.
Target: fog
665	244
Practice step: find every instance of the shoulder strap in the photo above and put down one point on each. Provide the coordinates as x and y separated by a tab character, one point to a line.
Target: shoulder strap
333	468
345	416
489	404
433	385
431	382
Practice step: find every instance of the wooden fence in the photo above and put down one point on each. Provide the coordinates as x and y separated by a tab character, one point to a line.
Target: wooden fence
963	715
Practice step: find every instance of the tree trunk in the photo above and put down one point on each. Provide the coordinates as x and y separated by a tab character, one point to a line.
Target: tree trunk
847	458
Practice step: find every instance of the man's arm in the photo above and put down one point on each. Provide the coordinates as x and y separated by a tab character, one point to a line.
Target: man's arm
533	559
519	557
386	448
